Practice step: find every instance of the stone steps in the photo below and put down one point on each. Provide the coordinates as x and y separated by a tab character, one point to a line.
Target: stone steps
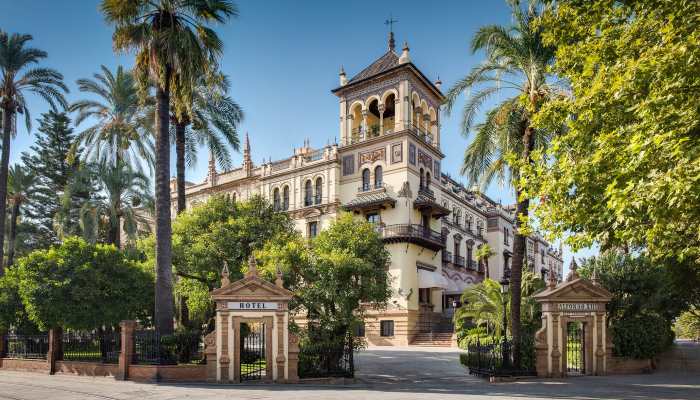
434	340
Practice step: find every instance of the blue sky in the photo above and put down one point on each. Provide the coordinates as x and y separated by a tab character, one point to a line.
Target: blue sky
283	59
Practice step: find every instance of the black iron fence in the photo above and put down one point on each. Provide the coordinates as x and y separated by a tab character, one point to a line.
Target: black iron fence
95	346
27	346
492	357
150	347
326	359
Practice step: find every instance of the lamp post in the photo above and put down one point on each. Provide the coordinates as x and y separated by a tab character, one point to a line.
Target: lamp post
505	282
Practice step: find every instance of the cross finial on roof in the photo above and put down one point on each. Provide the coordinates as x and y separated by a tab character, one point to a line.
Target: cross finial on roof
390	23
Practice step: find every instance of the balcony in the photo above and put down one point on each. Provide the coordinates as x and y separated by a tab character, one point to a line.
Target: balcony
446	258
371	188
413	233
471	264
426	203
459	261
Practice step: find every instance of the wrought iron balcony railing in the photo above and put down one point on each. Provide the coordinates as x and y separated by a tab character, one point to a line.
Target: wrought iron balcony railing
459	261
413	233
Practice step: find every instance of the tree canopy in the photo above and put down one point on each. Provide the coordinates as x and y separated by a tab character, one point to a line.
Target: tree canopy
335	275
626	171
78	285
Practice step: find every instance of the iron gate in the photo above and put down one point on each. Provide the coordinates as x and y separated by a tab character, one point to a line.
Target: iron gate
575	343
253	361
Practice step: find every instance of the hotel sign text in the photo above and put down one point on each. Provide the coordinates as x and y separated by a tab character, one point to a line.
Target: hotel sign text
252	305
578	307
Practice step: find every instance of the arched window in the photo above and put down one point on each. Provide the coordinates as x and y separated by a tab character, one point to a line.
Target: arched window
319	191
427	180
276	205
469	254
365	180
285	198
422	178
455	216
378	177
308	194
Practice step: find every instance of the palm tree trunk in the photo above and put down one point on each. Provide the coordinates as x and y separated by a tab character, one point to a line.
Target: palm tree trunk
519	244
181	205
13	233
164	306
7	113
114	236
180	154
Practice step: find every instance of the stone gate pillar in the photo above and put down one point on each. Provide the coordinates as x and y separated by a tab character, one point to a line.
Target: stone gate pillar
251	300
581	303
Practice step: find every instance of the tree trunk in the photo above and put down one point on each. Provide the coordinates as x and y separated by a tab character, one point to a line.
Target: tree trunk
486	264
519	244
164	304
7	113
114	236
180	154
13	233
181	204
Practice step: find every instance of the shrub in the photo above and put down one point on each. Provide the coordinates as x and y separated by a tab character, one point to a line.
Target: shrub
641	336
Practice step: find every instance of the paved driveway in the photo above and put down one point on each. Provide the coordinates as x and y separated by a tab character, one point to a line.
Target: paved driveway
384	374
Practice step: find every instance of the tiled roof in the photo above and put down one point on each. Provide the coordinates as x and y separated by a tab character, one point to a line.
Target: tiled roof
369	200
384	63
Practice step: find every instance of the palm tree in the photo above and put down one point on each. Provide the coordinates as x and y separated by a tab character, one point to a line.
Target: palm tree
516	62
20	184
483	304
483	253
19	78
172	41
210	118
116	134
121	193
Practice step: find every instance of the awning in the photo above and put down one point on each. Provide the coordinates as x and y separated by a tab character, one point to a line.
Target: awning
453	287
431	279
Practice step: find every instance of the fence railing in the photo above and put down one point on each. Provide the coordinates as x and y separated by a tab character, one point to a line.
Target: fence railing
27	346
92	346
152	348
323	360
493	357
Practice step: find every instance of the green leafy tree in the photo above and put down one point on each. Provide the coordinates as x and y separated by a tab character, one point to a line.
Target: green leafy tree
213	234
687	325
117	134
208	117
483	305
645	301
516	63
17	80
625	173
79	286
483	253
335	277
20	185
121	201
172	41
48	162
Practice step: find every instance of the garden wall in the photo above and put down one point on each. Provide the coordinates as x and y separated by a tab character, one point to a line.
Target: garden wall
626	366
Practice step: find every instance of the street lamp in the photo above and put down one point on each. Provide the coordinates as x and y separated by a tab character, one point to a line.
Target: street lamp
505	283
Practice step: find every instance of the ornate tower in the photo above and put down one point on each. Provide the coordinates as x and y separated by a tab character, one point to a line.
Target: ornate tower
247	161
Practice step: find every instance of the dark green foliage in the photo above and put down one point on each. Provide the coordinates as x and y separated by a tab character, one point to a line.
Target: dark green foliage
646	300
641	336
82	286
48	162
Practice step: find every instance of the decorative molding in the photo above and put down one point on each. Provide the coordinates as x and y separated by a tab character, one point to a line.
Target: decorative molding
425	159
348	164
397	153
371	156
411	153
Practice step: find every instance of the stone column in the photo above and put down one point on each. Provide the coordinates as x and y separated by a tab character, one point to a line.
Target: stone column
280	357
349	132
555	353
55	352
381	119
293	354
599	351
210	352
364	126
126	353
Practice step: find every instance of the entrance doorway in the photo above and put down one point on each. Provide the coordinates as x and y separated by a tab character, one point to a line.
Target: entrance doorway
253	362
575	348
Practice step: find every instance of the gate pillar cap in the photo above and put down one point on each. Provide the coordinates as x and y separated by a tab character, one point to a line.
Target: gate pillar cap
578	290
